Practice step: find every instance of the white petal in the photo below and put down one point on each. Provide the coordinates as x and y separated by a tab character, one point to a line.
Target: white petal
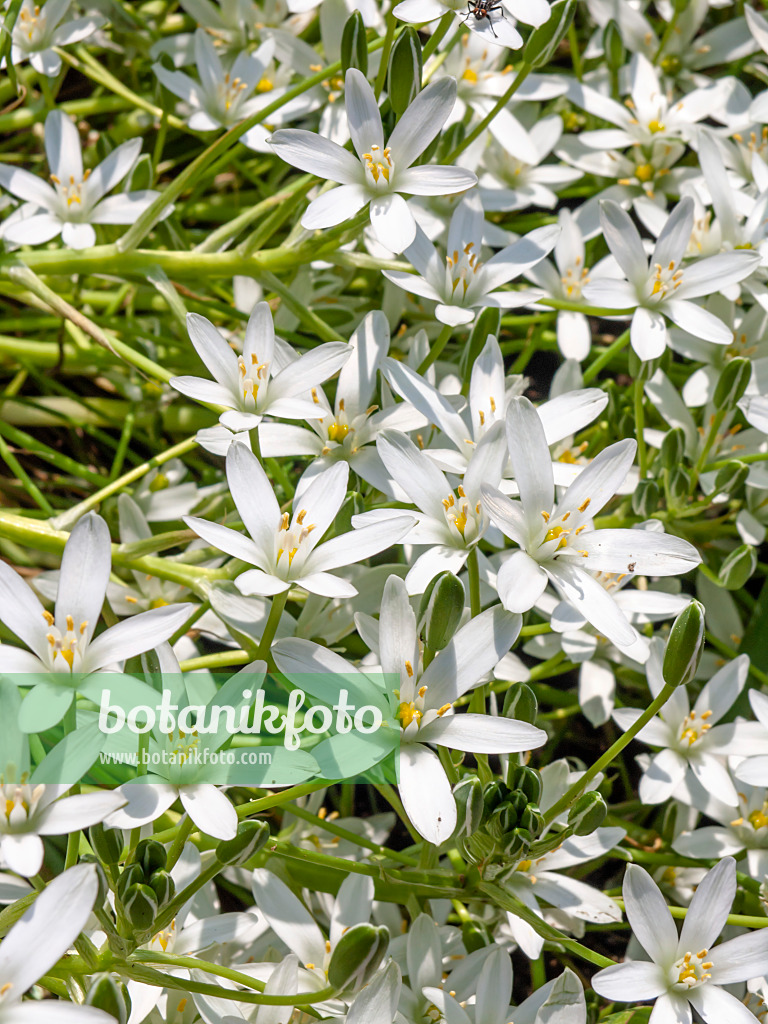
255	500
85	568
356	545
334	207
531	461
62	147
637	551
288	917
224	539
649	916
741	958
665	773
483	734
625	983
432	180
623	240
316	155
697	321
210	810
648	333
426	793
136	635
716	1006
595	604
213	350
675	236
392	222
422	121
78	236
520	582
362	113
710	906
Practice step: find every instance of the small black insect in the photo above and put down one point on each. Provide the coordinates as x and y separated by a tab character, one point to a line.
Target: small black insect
481	9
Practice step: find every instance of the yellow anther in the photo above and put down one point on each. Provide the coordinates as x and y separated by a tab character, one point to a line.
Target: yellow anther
409	669
48	617
285	521
300	517
585	505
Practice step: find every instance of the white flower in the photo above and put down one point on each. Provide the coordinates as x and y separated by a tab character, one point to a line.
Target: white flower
39	29
36	943
687	970
463	283
267	378
285	548
347	431
381	172
497	28
222	97
754	770
559	543
63	645
75	200
450	520
690	738
425	698
665	287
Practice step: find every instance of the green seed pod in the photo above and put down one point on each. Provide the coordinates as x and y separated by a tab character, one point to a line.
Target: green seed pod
672	448
131	875
107	843
441	609
738	567
354	45
544	40
357	956
520	703
731	478
646	498
140	906
684	646
251	837
474	935
406	65
151	856
679	483
613	46
469	803
732	383
163	886
109	994
587	814
527	780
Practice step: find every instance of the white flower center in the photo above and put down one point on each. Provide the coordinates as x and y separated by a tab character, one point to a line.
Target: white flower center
18	803
691	970
562	532
665	280
694	727
460	270
574	279
461	517
30	26
290	539
71	194
68	645
251	379
230	92
415	709
379	168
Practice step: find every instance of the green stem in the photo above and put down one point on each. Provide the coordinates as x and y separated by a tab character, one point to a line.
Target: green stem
605	357
437	36
389	36
436	350
500	104
639	395
273	621
572	794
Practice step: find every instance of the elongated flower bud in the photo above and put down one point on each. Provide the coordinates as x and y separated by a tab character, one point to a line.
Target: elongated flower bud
354	45
732	383
441	609
544	40
107	843
109	994
251	837
587	814
140	906
520	703
357	956
406	65
738	567
151	856
684	646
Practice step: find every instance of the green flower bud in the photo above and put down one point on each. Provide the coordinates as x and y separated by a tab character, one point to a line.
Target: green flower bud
163	886
646	498
587	814
493	795
684	646
140	906
131	875
518	800
406	65
679	483
474	935
732	383
544	40
357	956
520	703
532	819
354	45
441	609
109	994
527	780
469	803
251	837
477	848
672	448
613	46
107	843
738	567
151	856
731	478
517	843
